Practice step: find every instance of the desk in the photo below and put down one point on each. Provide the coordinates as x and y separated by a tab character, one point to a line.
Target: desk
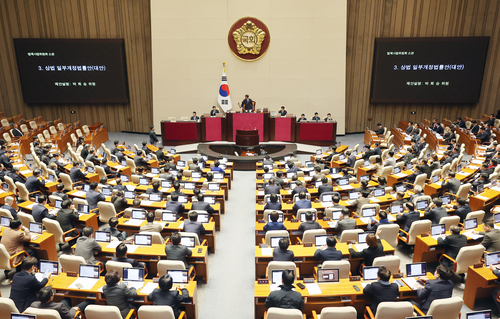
283	128
485	199
179	133
97	138
370	137
480	281
213	128
62	282
316	133
45	244
248	121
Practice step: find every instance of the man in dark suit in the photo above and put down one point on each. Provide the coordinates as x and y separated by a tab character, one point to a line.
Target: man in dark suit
121	256
328	251
381	290
303	202
425	168
491	239
316	117
39	211
309	223
409	217
282	112
194	167
46	301
75	173
292	168
452	245
286	297
85	151
86	246
302	118
176	251
283	253
409	129
382	216
435	211
193	226
164	296
5	160
119	186
271	188
115	149
214	111
94	196
25	285
67	217
174	206
274	224
201	205
139	159
380	129
32	182
152	135
474	128
324	187
247	104
9	201
451	183
483	136
462	209
160	155
358	203
351	159
145	148
439	288
176	185
273	202
299	188
345	222
194	117
377	150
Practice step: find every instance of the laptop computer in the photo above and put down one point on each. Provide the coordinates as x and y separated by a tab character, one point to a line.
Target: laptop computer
138	214
182	199
309	164
438	229
189	186
353	195
172	151
328	275
446	200
143	181
90	169
166	184
320	240
36	228
397	209
470	223
343	181
155	170
218	175
275	241
21	316
364	178
125	178
397	169
318	184
203	218
303	217
319	152
336	214
181	164
267	175
58	203
480	188
106	191
422	204
370	273
483	314
367	163
435	178
409	165
419	317
341	157
52	178
326	198
209	199
143	239
129	195
195	174
368	212
290	175
413	271
334	170
379	192
86	187
178	276
155	197
188	241
280	218
277	277
102	236
400	188
496	218
169	217
51	266
89	271
214	187
133	274
5	221
492	258
83	209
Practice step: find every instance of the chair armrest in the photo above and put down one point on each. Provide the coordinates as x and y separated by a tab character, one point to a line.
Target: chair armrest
36	192
131	313
402	238
22	252
298	273
304	316
418	311
453	260
299	241
315	274
79	313
369	313
167	241
191	274
95	211
101	265
265	314
314	315
69	231
204	243
182	315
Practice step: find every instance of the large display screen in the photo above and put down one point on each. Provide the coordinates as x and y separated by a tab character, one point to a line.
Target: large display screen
72	70
428	70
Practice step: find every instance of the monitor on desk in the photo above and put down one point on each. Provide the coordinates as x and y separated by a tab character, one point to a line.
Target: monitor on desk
90	169
470	223
397	209
409	165
106	191
195	174
343	181
267	176
129	195
336	214
138	214
354	153
169	217
362	237
309	164
303	217
5	187
379	192
181	164
364	178
353	195
21	316
155	197
85	188
370	273
368	212
416	269
326	198
290	175
480	188
83	208
269	166
143	239
189	186
397	169
203	218
277	277
174	172
496	218
89	271
188	241
422	204
483	314
149	157
320	240
124	163
209	199
36	228
178	276
275	241
400	188
172	151
341	157
5	221
214	187
133	274
155	170
143	181
459	168
419	317
435	178
102	236
367	163
58	203
218	175
182	199
166	184
328	275
280	218
52	178
319	151
334	170
492	258
51	266
446	200
318	184
438	229
124	178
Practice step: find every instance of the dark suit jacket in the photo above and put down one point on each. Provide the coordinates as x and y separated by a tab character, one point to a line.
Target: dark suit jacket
93	198
283	255
152	137
17	132
434	289
246	104
351	160
462	211
272	189
178	252
330	253
271	205
170	298
6	162
309	225
33	184
491	240
274	226
452	245
381	291
120	204
202	206
299	189
214	112
324	188
285	298
194	227
160	156
11	210
302	203
426	170
117	295
24	289
408	218
435	214
76	174
380	131
67	219
345	224
368	254
40	212
131	261
175	207
139	161
452	185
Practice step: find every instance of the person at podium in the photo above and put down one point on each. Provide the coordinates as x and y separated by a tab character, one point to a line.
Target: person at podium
214	111
316	117
195	117
302	118
328	118
247	104
282	112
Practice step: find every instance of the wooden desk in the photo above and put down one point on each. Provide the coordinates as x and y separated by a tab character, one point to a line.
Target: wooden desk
4	194
370	137
62	282
480	281
45	245
486	199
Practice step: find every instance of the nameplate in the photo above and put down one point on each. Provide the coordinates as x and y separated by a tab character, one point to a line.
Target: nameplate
325	219
156	279
478	265
128	242
71	274
289	202
126	216
263	281
308	280
354	278
317	201
294	220
424	234
157	219
261	221
351	242
263	246
307	244
397	275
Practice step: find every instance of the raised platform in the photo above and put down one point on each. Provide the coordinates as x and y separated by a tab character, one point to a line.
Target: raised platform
245	163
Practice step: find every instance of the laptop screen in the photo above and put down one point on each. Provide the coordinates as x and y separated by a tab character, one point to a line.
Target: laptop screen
52	178
496	217
102	236
409	165
189	186
400	188
166	184
280	218
483	314
172	151
286	158
397	170
435	178
106	191
416	269
58	203
21	316
480	188
275	241
368	212
181	164
334	170
155	170
492	258
86	187
188	241
82	208
143	239
362	237
290	175
209	199
422	204
343	181
309	164
319	152
90	169
213	187
364	178
267	175
370	273
318	184
195	174
379	192
202	218
169	217
129	195
5	221
51	266
470	223
125	178
303	217
320	240
36	228
336	214
341	157
138	214
446	200
367	163
133	274
326	198
437	230
89	271
143	181
218	175
178	276
328	275
155	197
277	277
397	209
353	195
182	199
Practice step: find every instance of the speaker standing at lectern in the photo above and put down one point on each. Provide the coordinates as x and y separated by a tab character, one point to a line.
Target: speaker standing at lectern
247	105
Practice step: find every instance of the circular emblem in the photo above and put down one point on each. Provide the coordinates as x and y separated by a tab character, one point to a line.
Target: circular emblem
224	90
248	39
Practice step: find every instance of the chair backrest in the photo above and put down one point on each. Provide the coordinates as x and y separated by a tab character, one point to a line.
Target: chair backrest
66	180
85	129
454	164
53	227
309	235
357	165
131	164
345	312
5	212
356	147
106	211
60	126
446	308
463	191
468	256
23	191
156	236
164	265
376	206
389	232
25	219
350	234
71	263
12	185
77	201
390	262
418	227
282	313
155	311
448	221
280	265
386	171
420	180
422	197
46	134
7	306
275	233
100	171
33	124
269	211
373	158
24	128
117	265
4	258
43	313
394	310
52	130
344	267
436	172
187	234
479	214
100	311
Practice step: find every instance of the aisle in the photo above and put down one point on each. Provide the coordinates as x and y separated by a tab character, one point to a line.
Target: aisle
229	292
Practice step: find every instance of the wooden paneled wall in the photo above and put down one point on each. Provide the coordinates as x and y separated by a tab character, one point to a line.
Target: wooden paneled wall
368	19
128	19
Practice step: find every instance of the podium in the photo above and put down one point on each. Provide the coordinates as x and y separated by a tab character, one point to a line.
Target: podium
247	138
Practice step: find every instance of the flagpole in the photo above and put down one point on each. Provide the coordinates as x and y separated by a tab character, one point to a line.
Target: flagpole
224	66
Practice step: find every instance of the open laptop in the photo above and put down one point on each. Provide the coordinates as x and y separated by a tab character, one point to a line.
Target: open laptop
277	277
379	192
413	271
58	203
102	236
353	195
203	218
364	178
155	197
290	175
133	276
172	151
435	178
189	186
409	165
143	239
280	218
318	184
367	163
368	212
181	164
267	176
214	187
218	175
336	214
124	178
496	218
129	195
470	223
419	317
446	200
209	199
320	240
309	164
83	209
143	181
169	217
5	221
106	191
326	198
178	276
319	152
155	170
397	209
182	199
21	316
370	273
166	184
483	314
85	188
188	241
334	170
480	188
422	204
303	217
52	178
397	169
89	271
492	258
343	181
90	169
275	241
51	266
362	241
341	157
437	230
195	174
400	188
36	228
328	275
138	214
270	166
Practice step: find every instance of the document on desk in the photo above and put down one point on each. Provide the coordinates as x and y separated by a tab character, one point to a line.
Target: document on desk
374	200
364	284
439	183
360	247
79	193
266	251
130	188
391	218
131	248
365	220
326	204
401	175
150	175
308	178
113	244
149	287
482	197
496	189
471	235
30	206
335	176
181	225
161	223
475	161
134	222
146	202
26	172
194	179
313	289
346	187
119	167
135	284
462	174
86	283
260	192
332	224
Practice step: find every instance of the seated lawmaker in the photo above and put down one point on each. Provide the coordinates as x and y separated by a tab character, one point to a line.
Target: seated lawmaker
151	226
309	223
328	252
46	301
381	290
214	111
374	250
201	205
121	256
177	251
283	253
9	202
174	206
286	297
194	117
164	296
118	295
439	288
273	202
33	183
282	112
25	285
303	202
302	118
274	224
87	247
193	226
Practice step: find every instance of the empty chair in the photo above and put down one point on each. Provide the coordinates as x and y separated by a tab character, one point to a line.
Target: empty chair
376	206
283	313
71	263
310	235
53	130
108	312
5	123
463	191
417	228
11	184
156	311
7	306
344	267
350	234
25	219
345	312
448	221
24	128
23	191
390	262
33	125
391	310
117	265
67	182
389	232
86	130
479	214
5	212
386	171
280	265
420	180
